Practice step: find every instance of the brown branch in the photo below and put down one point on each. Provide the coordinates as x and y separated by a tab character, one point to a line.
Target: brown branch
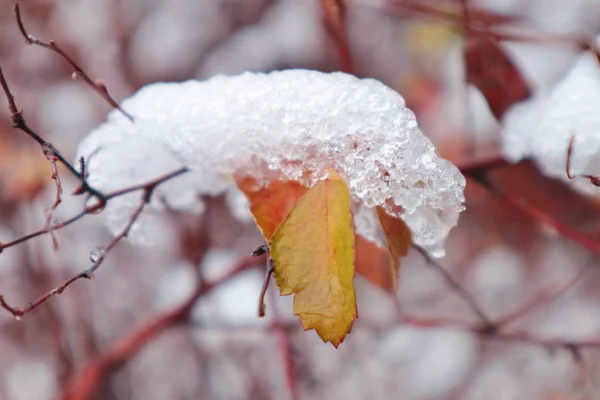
334	18
43	231
143	186
542	217
594	180
285	349
458	289
58	199
47	148
83	384
264	249
475	24
148	189
482	165
79	73
18	312
543	299
93	208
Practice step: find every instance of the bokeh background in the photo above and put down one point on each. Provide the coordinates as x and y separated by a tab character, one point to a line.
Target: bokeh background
518	249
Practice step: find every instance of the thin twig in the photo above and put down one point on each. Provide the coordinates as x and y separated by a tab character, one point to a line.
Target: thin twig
47	147
43	231
457	288
594	180
264	249
148	190
286	350
93	208
97	85
82	385
543	299
144	186
58	199
542	217
334	18
18	312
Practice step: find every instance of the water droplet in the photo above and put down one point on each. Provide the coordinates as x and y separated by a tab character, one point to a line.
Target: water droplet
96	253
18	317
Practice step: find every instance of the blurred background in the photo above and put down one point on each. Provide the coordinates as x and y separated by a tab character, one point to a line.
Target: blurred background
525	248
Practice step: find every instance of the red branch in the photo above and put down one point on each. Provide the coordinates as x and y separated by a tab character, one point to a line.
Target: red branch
98	85
334	17
148	189
82	385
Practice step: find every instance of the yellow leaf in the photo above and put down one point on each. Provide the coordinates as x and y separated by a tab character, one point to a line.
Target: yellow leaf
313	257
399	241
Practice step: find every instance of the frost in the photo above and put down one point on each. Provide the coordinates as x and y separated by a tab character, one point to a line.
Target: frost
541	127
283	125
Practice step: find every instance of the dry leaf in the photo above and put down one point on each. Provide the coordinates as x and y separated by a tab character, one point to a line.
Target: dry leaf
313	255
271	204
398	238
374	264
494	74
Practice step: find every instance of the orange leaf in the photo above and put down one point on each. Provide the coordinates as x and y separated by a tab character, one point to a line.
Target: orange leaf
494	74
271	204
313	257
398	238
373	263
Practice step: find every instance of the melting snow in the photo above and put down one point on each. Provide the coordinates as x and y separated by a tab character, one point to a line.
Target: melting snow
282	125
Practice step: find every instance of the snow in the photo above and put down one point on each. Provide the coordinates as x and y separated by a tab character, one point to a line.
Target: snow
497	277
19	378
540	128
290	124
429	363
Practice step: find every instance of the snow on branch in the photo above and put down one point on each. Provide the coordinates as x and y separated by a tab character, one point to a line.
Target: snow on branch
542	128
286	125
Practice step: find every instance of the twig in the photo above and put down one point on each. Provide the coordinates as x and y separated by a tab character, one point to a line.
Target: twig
148	190
97	85
58	199
458	289
92	208
479	26
594	180
285	350
542	299
43	231
47	147
84	383
482	165
144	186
542	217
18	312
264	249
334	19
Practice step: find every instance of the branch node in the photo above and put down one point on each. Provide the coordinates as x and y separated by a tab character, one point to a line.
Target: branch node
260	251
94	204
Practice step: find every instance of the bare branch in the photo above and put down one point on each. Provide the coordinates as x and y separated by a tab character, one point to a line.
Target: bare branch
82	385
87	274
594	180
458	289
79	73
334	18
543	217
59	190
148	190
47	147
